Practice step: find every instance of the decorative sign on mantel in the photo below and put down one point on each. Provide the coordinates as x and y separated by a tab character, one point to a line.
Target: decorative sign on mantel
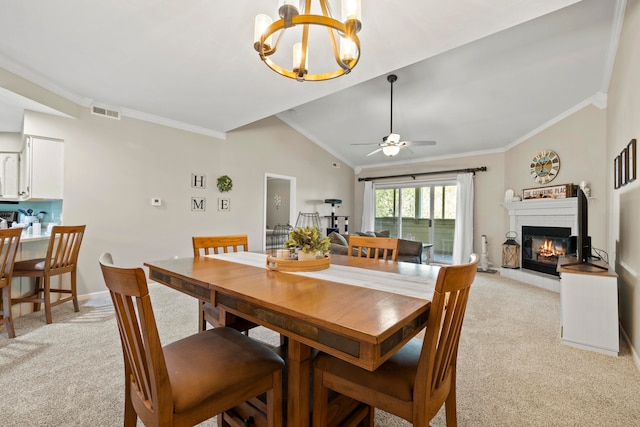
555	192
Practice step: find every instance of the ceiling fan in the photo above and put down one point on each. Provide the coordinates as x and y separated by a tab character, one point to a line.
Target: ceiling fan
391	144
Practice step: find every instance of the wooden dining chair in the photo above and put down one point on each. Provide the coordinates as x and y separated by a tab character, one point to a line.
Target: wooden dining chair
374	247
208	313
420	377
192	379
9	241
61	258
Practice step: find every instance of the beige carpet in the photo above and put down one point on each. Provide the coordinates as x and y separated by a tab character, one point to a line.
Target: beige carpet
512	371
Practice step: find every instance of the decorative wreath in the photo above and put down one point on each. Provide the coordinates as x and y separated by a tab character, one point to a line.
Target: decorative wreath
224	183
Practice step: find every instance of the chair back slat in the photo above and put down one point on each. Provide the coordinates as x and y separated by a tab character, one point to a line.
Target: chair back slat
64	247
144	359
437	366
9	241
207	245
374	247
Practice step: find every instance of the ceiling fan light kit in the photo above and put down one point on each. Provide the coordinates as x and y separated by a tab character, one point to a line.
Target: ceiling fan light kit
294	13
391	150
391	143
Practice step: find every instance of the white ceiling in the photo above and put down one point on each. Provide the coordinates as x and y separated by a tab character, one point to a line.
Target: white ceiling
474	75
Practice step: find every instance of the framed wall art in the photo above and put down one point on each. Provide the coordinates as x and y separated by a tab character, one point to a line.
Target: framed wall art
631	158
616	172
624	167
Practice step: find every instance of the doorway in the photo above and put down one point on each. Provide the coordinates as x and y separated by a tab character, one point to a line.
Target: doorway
279	203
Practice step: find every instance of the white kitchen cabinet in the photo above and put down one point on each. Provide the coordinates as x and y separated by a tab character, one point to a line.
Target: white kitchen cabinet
9	173
41	169
589	309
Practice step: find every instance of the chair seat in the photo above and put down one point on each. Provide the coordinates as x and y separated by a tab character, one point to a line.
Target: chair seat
395	377
244	360
36	264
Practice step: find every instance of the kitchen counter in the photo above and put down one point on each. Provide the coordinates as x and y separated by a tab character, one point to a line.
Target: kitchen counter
33	237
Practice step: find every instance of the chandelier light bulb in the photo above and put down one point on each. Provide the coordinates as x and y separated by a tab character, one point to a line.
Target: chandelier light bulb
351	10
298	66
347	49
262	22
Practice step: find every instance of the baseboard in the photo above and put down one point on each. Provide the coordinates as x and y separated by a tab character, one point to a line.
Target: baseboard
84	297
634	353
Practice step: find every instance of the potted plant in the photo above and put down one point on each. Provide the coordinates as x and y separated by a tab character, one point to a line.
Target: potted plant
308	241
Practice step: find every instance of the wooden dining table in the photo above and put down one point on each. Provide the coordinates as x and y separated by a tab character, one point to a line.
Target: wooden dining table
359	324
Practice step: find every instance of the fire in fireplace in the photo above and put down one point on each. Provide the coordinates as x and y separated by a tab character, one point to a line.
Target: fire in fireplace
542	246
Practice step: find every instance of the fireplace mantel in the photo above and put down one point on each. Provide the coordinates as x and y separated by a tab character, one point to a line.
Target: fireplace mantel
535	206
540	213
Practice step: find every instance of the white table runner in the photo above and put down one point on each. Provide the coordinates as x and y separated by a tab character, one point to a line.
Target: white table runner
418	287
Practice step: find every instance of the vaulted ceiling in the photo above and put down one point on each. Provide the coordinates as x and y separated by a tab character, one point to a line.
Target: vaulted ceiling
473	75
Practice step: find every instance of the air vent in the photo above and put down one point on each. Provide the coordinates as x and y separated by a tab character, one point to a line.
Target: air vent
105	112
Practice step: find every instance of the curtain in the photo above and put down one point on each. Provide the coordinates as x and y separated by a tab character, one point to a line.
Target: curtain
368	208
463	233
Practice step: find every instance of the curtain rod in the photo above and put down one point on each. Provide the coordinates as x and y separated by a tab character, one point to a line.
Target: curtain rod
413	175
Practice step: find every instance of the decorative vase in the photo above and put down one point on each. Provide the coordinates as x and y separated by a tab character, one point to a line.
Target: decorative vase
306	256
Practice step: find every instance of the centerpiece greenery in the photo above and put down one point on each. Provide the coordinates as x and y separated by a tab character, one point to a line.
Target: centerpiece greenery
309	240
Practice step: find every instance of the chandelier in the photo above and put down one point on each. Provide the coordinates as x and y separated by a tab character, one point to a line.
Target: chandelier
297	13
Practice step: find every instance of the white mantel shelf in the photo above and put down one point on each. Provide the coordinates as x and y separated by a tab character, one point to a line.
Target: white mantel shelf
533	206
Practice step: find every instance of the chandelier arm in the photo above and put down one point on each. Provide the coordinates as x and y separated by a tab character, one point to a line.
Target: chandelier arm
336	50
303	57
271	29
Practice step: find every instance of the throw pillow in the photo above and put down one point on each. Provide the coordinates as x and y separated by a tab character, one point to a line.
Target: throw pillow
338	239
385	233
367	234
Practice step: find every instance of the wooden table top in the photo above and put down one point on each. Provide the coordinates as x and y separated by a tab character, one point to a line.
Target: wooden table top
361	314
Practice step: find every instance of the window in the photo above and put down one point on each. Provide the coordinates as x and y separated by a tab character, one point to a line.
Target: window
426	212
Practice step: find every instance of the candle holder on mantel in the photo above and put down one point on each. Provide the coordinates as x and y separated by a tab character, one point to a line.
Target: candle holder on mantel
511	251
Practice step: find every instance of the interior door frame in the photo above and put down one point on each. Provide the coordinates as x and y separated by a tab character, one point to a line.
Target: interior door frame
292	202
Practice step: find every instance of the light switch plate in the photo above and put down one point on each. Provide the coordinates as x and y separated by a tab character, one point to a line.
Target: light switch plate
156	201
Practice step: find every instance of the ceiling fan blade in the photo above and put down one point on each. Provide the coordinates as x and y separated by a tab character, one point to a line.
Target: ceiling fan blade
374	151
367	143
416	143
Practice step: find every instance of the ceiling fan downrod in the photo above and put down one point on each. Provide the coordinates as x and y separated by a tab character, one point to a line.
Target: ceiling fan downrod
391	78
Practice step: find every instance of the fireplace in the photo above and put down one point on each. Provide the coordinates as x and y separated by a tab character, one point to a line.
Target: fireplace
542	246
539	213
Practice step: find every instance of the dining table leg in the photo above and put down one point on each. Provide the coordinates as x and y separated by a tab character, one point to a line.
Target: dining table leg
299	384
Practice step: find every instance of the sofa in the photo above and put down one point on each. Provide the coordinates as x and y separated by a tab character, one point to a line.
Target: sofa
408	250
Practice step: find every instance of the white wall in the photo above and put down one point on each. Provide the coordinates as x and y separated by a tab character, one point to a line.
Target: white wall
580	142
623	124
114	168
11	141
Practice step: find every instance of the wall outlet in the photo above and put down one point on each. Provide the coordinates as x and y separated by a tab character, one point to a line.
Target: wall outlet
156	201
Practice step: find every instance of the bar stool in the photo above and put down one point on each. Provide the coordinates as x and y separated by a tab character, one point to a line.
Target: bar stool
61	258
9	240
